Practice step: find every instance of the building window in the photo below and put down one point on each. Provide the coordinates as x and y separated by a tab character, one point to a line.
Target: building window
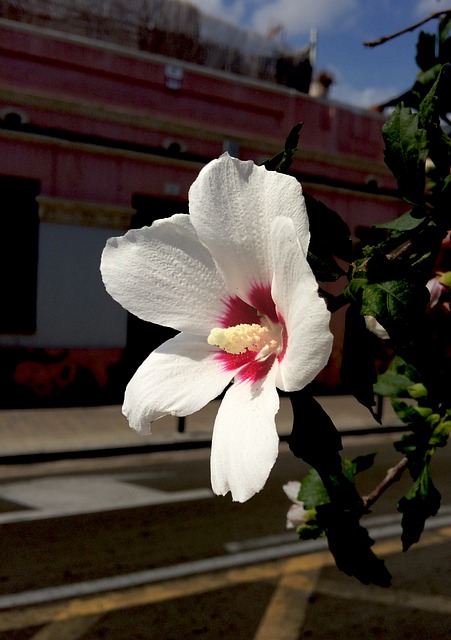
19	254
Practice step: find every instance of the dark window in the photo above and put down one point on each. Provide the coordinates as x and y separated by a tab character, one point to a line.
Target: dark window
19	254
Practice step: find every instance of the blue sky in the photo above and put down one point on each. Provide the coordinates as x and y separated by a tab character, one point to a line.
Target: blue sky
363	76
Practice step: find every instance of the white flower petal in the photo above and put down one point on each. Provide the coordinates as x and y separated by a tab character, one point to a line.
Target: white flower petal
292	489
295	292
375	327
245	441
178	378
163	274
232	205
296	516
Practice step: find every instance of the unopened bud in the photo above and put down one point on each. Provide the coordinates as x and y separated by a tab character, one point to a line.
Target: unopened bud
417	390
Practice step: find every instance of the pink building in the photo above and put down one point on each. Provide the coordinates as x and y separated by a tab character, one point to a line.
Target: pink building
97	137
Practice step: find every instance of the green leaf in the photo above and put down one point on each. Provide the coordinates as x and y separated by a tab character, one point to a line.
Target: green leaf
281	162
425	80
440	434
434	106
395	381
310	531
398	305
444	28
330	235
324	247
358	370
419	503
314	437
350	544
338	515
313	492
324	267
406	151
407	222
429	111
391	384
426	45
357	465
408	414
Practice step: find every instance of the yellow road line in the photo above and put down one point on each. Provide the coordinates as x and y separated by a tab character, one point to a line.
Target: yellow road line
139	596
285	614
71	629
37	615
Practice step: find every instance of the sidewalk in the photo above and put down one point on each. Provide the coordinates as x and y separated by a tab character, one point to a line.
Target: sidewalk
44	431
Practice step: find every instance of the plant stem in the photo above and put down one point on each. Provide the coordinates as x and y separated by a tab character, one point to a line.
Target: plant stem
393	475
436	14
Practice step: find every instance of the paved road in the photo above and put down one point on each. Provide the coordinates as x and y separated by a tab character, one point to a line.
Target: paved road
158	556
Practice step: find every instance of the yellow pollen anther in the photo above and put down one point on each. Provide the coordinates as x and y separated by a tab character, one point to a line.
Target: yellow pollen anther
242	337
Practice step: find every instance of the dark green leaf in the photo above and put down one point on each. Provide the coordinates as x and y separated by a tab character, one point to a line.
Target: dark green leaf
421	502
408	414
395	381
440	434
429	111
425	80
389	300
398	305
281	162
361	463
444	39
407	222
426	46
314	437
407	444
313	492
391	384
330	235
324	267
358	370
350	545
406	151
310	531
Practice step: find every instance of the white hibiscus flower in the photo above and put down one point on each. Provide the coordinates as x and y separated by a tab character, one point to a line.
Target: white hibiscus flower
232	277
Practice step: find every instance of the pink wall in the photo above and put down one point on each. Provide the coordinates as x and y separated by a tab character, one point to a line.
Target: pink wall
84	102
105	91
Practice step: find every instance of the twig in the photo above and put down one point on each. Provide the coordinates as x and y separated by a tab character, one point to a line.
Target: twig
436	14
392	476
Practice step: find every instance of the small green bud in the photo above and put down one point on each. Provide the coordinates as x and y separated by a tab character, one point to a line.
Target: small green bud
434	419
445	278
424	412
417	390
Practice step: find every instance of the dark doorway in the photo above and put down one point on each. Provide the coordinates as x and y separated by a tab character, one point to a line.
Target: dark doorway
19	217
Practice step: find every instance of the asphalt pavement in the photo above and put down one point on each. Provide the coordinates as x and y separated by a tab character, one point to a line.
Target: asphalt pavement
290	597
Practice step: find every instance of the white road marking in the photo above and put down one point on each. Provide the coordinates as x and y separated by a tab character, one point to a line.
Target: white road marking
383	526
55	497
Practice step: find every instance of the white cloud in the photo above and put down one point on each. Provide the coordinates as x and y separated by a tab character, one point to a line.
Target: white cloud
295	16
366	97
217	9
299	16
426	7
211	7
